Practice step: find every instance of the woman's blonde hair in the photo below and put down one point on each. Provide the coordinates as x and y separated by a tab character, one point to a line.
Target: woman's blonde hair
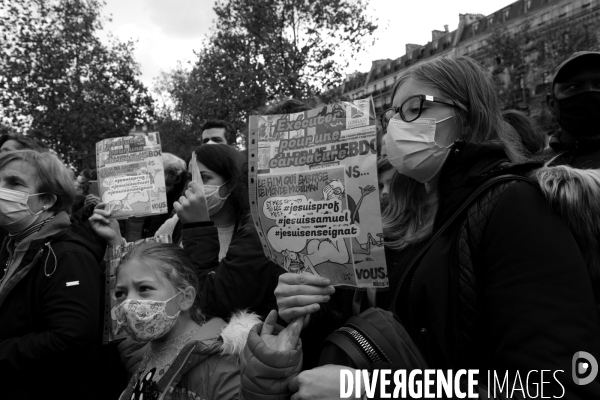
409	218
53	177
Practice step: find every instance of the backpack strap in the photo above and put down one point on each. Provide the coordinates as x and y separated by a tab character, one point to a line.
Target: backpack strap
467	203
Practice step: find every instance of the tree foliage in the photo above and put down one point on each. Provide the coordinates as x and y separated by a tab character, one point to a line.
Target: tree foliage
264	50
296	43
60	83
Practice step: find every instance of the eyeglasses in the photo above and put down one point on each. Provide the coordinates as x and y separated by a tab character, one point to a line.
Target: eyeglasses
411	109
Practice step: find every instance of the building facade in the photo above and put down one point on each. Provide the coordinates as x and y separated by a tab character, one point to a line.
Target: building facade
520	45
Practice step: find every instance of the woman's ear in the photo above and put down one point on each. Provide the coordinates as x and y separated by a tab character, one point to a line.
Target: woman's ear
189	295
48	201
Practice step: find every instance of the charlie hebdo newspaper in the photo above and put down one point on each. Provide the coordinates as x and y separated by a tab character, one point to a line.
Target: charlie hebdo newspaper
314	193
131	180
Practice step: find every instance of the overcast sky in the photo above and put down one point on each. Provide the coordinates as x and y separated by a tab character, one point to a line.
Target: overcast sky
169	31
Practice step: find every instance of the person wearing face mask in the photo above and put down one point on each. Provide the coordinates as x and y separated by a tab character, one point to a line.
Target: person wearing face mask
219	235
50	284
575	104
173	349
512	294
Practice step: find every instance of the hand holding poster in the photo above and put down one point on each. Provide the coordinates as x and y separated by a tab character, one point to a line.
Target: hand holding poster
131	179
314	194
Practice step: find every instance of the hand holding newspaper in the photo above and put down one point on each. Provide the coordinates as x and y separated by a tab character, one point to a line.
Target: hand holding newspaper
192	207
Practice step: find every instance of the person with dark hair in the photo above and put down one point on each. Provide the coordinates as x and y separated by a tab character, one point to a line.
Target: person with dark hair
574	102
288	106
12	142
50	283
219	234
385	173
84	203
216	131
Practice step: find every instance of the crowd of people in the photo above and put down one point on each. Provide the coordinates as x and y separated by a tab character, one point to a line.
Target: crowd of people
491	234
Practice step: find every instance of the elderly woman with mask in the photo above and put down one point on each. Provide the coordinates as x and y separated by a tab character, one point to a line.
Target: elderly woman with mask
49	284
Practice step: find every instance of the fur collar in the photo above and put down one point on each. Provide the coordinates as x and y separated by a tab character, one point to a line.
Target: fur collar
573	193
235	333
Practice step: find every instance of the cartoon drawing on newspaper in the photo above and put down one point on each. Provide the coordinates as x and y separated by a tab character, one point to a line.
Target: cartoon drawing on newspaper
316	202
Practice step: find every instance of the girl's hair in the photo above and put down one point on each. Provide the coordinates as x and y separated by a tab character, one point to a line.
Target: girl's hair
383	165
409	217
25	142
53	177
175	264
464	80
227	162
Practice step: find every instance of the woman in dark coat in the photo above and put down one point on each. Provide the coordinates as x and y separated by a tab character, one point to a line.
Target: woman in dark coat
219	234
505	287
49	287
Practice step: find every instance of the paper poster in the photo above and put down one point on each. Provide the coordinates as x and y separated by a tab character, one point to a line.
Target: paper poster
314	192
131	178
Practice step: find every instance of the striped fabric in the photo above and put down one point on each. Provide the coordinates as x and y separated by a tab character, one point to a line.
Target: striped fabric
18	237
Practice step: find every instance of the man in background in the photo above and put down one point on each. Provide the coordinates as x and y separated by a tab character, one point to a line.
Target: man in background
217	132
575	103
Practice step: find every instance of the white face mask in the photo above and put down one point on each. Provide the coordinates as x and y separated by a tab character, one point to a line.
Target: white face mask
214	201
15	214
144	320
412	150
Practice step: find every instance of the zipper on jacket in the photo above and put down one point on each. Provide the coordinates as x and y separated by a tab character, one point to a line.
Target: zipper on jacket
368	348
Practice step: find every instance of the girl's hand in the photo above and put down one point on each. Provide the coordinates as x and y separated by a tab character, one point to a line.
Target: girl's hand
192	207
107	229
287	339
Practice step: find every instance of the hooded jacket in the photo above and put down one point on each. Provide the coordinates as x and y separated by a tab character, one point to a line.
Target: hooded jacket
207	367
49	314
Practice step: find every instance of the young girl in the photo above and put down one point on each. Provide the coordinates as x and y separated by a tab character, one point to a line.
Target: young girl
183	356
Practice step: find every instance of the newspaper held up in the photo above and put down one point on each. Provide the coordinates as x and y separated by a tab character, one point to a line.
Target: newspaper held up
131	178
314	192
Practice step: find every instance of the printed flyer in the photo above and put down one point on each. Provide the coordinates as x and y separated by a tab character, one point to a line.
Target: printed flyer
131	179
314	192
